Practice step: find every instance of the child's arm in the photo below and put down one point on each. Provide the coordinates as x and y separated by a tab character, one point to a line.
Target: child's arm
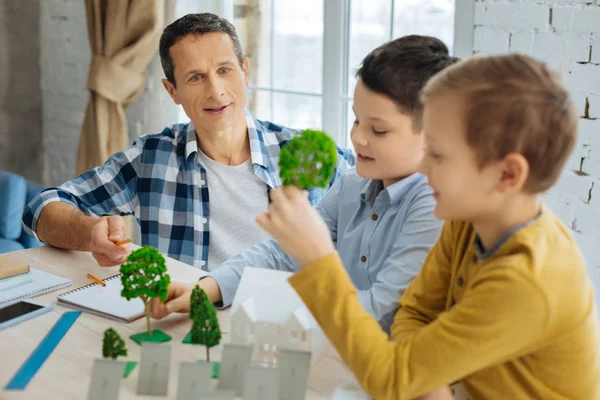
269	254
501	315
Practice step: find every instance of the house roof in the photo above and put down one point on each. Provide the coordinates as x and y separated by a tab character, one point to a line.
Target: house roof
249	308
273	299
303	317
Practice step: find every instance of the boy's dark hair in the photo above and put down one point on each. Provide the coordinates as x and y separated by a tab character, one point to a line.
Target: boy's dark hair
197	25
400	69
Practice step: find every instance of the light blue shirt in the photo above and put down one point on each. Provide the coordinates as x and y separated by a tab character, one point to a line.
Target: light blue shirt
381	235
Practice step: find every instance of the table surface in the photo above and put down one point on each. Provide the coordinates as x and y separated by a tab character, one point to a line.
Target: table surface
66	373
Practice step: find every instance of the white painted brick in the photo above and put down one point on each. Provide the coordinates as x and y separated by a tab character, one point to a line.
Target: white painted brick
490	40
482	17
550	48
587	216
560	206
562	17
589	247
574	161
512	16
594	105
583	77
591	165
521	42
596	47
586	19
577	185
578	47
589	134
578	98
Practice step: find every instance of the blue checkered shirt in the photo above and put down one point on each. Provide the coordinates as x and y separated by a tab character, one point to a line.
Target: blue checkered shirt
160	180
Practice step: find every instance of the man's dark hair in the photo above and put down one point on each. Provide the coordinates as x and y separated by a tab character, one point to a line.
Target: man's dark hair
194	24
399	69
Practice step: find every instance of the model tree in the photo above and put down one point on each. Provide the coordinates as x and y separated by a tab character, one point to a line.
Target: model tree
205	325
308	160
112	345
144	275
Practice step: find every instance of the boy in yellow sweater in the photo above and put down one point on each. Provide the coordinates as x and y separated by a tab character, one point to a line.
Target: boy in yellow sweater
503	302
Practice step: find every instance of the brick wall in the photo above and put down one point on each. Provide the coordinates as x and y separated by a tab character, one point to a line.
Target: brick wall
566	35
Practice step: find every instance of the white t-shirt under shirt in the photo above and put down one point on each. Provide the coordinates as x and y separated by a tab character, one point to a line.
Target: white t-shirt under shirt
237	196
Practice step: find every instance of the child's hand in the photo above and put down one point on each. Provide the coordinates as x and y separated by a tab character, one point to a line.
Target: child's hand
296	225
178	300
178	297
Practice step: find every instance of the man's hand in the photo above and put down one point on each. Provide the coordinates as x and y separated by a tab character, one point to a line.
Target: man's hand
104	234
178	298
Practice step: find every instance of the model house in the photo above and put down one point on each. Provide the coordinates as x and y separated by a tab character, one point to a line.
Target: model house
268	314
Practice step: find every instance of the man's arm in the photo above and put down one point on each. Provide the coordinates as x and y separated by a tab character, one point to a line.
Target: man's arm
419	232
64	226
107	190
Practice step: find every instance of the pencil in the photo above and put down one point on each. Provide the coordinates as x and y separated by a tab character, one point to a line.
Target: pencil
122	241
98	281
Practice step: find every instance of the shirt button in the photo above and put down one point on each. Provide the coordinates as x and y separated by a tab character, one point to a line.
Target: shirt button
202	263
202	182
475	258
374	217
460	281
363	258
204	220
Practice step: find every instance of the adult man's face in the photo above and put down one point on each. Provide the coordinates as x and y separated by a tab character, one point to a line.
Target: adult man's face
210	82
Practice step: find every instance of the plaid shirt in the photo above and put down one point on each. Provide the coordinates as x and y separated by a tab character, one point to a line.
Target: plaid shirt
160	180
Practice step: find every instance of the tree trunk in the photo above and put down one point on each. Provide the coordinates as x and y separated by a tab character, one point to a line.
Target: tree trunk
147	310
207	355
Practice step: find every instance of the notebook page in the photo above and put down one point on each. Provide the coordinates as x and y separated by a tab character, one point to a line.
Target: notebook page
105	300
41	282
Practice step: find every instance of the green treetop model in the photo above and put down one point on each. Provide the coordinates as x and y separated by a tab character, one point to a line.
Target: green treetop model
205	325
144	275
308	160
112	345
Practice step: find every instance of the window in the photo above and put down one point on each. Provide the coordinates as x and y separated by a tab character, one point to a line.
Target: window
302	70
284	43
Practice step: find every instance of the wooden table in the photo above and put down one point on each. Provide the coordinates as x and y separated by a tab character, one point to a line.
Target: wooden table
67	372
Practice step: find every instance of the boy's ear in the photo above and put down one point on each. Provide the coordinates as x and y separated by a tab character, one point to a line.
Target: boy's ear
515	171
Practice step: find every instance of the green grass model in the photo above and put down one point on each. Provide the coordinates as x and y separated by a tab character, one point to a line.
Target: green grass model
205	325
308	160
144	275
112	345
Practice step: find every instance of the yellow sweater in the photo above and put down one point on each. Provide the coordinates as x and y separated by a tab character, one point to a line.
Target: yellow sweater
520	324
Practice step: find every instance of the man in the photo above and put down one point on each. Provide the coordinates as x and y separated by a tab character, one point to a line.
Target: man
195	188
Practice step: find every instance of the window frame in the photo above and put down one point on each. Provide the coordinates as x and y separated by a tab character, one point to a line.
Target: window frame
336	34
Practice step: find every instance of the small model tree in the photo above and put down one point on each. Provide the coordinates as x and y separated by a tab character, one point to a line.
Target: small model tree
308	160
112	345
144	275
205	325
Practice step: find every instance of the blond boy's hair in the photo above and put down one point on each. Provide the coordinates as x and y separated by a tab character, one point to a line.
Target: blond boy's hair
513	103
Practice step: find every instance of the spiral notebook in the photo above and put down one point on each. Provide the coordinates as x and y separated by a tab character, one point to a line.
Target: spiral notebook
32	284
105	301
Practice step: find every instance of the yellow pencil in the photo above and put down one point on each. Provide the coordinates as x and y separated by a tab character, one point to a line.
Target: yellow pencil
122	241
98	281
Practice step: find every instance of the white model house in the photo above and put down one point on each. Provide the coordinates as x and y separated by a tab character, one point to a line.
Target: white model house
269	315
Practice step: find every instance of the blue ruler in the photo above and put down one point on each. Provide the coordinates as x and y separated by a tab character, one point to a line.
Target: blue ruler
42	351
